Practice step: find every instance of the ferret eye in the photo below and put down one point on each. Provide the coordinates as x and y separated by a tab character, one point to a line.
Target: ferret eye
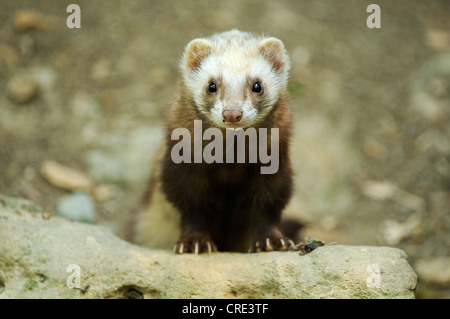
257	87
212	88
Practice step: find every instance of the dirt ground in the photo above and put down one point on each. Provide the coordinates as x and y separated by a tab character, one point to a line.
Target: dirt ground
371	147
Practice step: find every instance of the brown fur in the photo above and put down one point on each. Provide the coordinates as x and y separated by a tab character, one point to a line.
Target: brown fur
224	206
233	203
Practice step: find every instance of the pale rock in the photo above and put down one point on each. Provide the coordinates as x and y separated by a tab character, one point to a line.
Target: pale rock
44	257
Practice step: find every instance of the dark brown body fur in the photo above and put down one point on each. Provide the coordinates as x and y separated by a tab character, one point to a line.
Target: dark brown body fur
234	204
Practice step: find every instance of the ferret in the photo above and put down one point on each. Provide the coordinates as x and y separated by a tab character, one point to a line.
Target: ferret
231	80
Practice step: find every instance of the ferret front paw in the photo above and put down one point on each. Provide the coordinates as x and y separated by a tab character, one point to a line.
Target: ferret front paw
272	244
196	243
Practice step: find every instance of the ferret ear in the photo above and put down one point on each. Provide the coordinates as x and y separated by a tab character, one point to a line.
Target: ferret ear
273	51
196	51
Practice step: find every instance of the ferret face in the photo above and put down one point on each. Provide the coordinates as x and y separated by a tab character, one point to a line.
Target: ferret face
234	77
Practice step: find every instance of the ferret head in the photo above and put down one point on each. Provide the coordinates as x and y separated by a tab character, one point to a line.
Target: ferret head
235	78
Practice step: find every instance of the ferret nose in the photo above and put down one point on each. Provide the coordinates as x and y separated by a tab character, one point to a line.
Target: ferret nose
232	115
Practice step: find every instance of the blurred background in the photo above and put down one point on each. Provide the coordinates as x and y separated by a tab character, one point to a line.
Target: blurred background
81	112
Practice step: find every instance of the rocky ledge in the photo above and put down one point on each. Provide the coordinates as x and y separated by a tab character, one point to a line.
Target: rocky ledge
45	256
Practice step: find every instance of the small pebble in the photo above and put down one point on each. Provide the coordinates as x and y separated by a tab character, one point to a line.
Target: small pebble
434	270
379	190
22	89
64	177
437	39
394	231
29	19
78	206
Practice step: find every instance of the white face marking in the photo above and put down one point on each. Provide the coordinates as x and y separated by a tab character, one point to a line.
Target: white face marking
234	95
234	68
234	91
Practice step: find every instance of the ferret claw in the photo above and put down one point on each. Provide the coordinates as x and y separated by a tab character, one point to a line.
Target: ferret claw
291	244
272	244
283	244
196	247
196	243
268	245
